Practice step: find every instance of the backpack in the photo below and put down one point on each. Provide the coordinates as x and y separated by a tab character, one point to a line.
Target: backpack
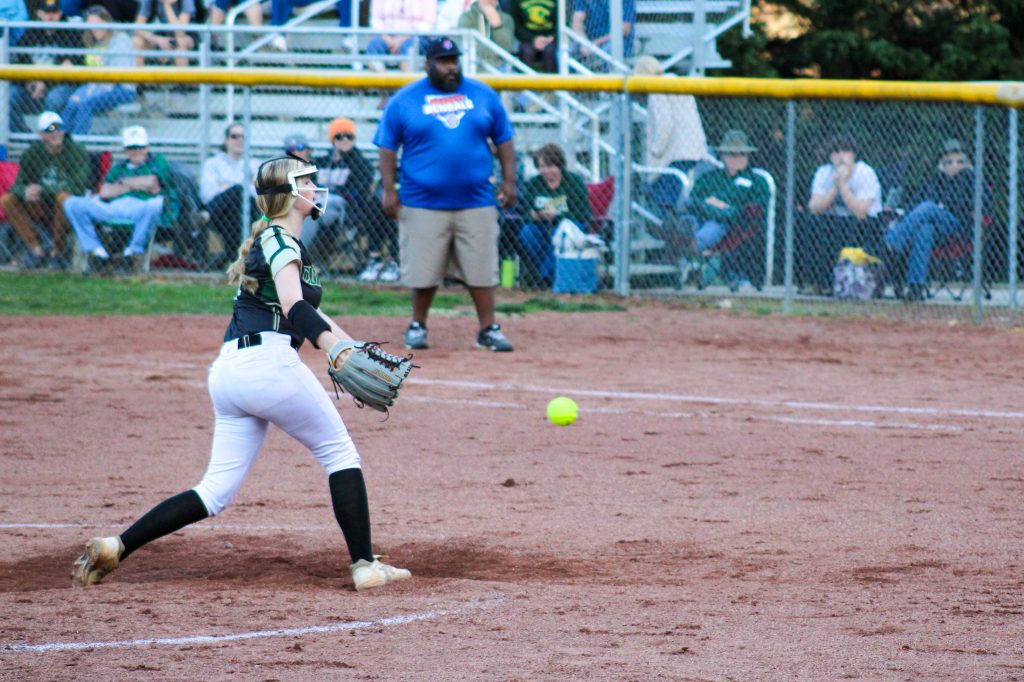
858	276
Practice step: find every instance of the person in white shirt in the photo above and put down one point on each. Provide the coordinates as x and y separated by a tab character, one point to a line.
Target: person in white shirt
846	198
399	15
220	189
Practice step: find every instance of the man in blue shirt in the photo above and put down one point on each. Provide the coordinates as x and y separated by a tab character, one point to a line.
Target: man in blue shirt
444	125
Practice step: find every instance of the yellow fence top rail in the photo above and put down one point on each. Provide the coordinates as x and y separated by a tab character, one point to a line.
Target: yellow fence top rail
1009	93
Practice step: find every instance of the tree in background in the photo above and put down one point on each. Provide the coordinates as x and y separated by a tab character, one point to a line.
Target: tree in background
947	40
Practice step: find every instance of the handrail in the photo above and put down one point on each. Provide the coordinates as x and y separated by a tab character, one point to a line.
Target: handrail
230	19
564	97
308	13
708	38
596	50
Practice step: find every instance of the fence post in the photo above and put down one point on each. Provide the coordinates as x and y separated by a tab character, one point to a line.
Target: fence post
979	179
206	46
5	89
247	219
623	173
1014	207
787	297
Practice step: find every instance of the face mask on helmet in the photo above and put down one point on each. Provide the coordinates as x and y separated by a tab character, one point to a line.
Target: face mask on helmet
293	188
318	206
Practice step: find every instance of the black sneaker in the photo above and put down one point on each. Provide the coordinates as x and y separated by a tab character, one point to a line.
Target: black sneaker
915	293
97	265
416	337
492	339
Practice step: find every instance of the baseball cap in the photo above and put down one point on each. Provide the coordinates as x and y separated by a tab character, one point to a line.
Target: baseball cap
339	126
295	142
135	136
47	119
441	47
49	6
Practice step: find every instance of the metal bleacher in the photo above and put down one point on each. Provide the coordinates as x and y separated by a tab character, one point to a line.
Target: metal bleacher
176	118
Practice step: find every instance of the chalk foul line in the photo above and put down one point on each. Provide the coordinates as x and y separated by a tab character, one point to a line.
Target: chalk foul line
390	621
716	400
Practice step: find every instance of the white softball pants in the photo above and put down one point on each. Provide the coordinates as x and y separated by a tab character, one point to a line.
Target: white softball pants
261	385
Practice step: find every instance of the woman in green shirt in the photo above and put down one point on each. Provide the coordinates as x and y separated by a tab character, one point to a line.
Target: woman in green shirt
554	195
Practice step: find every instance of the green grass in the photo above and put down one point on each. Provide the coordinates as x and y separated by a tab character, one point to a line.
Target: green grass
72	294
551	304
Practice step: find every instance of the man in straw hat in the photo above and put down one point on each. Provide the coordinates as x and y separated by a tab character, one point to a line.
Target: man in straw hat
730	198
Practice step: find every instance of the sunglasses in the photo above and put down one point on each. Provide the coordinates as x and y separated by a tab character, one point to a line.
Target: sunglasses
297	148
237	136
344	136
52	128
954	162
134	147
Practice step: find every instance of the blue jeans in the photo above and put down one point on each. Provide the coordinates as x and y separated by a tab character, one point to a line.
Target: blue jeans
535	241
90	100
379	47
281	10
22	104
709	234
917	231
84	213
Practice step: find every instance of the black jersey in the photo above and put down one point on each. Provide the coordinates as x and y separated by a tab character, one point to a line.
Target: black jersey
261	311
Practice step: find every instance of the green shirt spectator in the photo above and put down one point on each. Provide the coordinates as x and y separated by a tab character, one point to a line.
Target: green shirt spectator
497	26
536	29
554	195
66	170
156	165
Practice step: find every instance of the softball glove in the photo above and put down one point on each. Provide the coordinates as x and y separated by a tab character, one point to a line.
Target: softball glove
366	372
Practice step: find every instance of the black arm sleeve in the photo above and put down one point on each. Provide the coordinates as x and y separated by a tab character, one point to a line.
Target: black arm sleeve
307	321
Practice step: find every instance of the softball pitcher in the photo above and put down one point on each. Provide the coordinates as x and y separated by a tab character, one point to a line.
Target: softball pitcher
258	380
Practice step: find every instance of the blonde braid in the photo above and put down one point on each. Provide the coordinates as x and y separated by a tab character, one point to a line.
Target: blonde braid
271	173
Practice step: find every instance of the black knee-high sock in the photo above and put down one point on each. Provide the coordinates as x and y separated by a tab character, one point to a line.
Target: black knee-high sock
348	495
172	514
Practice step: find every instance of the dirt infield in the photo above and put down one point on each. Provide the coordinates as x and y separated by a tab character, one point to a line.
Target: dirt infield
742	499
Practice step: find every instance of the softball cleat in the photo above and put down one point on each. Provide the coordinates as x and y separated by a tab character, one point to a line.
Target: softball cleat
102	555
367	574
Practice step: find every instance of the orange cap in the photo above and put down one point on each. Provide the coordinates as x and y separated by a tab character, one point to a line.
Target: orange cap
341	125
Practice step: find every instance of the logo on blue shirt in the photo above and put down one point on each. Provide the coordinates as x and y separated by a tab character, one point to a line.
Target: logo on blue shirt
448	109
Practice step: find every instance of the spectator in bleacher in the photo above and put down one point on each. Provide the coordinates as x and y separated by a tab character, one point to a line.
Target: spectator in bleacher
673	130
253	15
399	15
536	24
14	10
122	11
554	195
180	13
221	184
945	209
112	49
592	18
730	198
281	12
138	189
444	125
32	97
487	17
298	145
846	199
352	209
51	170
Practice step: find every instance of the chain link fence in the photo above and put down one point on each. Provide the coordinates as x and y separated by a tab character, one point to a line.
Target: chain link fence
864	203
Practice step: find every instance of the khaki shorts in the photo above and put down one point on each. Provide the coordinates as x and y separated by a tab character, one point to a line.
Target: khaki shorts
460	244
